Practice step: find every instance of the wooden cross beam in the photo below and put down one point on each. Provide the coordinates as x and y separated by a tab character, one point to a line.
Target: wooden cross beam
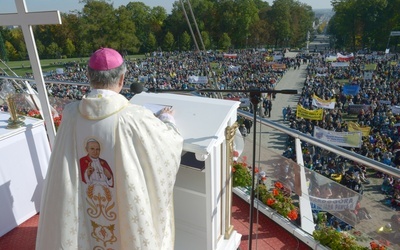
25	20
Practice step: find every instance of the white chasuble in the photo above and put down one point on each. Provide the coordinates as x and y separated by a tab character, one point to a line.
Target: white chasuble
110	180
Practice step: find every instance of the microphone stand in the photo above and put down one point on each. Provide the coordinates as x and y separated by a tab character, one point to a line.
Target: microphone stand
255	100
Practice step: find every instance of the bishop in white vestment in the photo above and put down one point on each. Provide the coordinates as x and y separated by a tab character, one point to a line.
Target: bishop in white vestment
119	198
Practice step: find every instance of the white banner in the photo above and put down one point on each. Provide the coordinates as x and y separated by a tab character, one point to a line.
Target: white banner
59	71
344	139
396	109
143	64
198	79
385	102
340	64
320	103
232	68
333	204
330	58
395	33
368	75
277	57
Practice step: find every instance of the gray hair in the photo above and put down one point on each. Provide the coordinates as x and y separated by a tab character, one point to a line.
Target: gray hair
104	79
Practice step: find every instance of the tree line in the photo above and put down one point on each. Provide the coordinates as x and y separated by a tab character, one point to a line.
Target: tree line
137	28
359	24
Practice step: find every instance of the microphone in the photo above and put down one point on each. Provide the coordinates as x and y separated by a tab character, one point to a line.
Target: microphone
288	91
136	88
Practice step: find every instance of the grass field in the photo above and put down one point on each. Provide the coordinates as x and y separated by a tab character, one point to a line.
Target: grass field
21	68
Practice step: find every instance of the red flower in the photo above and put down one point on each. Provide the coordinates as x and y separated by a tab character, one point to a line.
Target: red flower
263	178
373	245
235	153
293	214
256	170
275	192
34	113
270	202
57	121
278	185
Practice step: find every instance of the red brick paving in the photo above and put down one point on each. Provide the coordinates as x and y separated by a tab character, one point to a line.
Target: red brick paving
267	234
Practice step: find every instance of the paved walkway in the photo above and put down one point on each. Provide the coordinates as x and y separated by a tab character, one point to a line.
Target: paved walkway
270	138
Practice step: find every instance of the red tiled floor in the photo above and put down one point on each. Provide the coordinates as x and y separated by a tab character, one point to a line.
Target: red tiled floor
267	234
22	237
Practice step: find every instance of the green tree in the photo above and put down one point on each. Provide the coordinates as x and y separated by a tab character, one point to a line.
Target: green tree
225	42
140	15
157	17
41	49
358	23
206	39
151	43
71	24
146	20
261	31
22	51
124	32
301	22
53	51
3	51
84	49
11	51
246	14
98	23
185	44
280	19
169	41
69	48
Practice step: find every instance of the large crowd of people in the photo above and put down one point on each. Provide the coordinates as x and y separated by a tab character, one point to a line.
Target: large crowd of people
245	69
376	100
372	106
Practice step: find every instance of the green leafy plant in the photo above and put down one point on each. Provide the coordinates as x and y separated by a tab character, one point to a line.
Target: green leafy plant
330	237
241	174
278	199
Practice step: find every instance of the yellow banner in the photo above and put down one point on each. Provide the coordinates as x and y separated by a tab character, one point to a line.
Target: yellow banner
354	127
309	114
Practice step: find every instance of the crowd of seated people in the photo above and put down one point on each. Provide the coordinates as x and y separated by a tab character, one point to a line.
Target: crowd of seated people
377	96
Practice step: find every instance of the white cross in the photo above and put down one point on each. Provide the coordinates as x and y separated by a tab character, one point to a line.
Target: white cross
26	20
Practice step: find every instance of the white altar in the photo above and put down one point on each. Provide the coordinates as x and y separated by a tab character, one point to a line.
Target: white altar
25	154
202	193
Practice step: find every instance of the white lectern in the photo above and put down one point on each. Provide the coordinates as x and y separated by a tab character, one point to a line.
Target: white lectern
202	193
25	154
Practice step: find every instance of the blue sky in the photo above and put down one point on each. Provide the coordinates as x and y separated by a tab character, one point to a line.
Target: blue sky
8	6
